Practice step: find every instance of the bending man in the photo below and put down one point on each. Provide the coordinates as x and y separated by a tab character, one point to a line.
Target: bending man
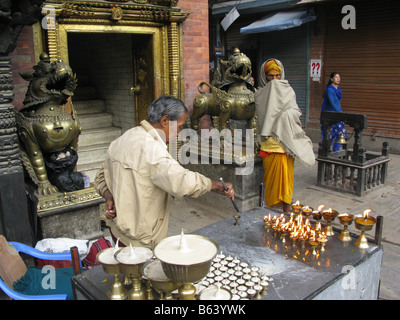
139	175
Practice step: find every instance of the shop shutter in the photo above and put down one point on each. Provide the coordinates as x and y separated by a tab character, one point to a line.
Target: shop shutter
288	46
368	59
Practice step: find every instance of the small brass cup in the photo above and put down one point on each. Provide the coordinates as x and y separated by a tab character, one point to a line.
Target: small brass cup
329	216
346	220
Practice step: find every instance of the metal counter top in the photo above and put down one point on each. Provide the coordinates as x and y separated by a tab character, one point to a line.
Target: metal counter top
296	272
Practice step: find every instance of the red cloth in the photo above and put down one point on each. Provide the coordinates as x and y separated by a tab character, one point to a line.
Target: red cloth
264	153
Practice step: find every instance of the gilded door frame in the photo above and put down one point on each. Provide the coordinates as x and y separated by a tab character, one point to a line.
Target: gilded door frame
161	19
160	47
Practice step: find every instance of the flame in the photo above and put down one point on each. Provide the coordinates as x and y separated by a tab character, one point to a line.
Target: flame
366	213
300	219
294	235
297	203
320	207
330	210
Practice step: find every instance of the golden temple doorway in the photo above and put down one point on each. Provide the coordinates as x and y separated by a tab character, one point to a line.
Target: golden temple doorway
125	54
116	68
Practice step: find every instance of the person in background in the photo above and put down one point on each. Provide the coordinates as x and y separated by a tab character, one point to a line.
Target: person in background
331	102
139	175
282	138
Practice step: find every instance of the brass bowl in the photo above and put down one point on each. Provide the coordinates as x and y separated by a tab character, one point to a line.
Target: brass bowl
108	267
329	215
133	270
159	284
361	224
317	215
187	273
346	219
307	211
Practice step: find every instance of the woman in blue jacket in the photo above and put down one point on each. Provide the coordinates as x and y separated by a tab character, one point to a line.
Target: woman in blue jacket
331	102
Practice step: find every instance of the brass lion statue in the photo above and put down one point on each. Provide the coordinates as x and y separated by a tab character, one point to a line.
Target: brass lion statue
48	126
231	98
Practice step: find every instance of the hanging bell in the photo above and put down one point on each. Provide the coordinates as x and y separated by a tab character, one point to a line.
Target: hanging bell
342	139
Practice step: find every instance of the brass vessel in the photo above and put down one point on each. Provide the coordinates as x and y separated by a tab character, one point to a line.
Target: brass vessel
346	220
134	272
329	216
117	290
187	273
364	225
163	286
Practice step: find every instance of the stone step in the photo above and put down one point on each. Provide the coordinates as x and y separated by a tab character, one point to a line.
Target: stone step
90	169
89	106
92	153
95	120
98	136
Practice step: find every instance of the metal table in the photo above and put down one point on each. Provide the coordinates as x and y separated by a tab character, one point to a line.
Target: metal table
342	271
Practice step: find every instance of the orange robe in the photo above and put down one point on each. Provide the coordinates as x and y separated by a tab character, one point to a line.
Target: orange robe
278	173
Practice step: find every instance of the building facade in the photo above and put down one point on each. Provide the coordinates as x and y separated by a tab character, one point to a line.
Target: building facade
358	39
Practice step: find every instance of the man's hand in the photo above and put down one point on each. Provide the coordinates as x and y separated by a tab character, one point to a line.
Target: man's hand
217	186
111	211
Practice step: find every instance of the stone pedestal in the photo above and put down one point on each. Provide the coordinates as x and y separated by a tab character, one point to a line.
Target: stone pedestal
247	187
73	215
229	154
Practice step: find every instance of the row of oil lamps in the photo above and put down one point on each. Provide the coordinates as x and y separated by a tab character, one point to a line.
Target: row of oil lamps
234	278
299	228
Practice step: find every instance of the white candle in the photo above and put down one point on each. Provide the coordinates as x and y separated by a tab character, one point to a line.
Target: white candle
137	255
197	250
215	293
107	256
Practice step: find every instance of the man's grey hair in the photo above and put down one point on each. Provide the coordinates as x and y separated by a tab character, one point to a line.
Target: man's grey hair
166	105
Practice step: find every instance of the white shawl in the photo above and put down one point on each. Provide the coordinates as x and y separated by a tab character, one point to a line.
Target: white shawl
279	116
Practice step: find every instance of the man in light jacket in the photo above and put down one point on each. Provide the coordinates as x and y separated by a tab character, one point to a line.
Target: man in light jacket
139	174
